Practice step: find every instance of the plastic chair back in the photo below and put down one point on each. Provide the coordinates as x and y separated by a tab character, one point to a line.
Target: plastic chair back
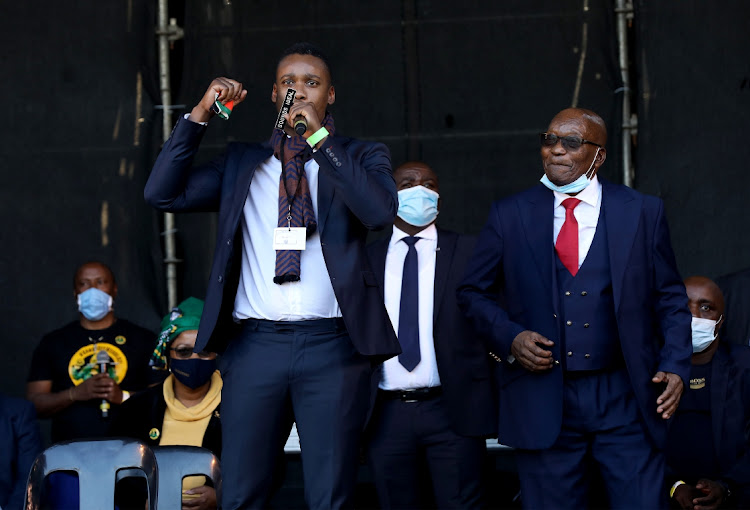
175	463
98	463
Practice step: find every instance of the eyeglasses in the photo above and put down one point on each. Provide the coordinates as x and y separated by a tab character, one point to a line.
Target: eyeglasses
569	143
186	352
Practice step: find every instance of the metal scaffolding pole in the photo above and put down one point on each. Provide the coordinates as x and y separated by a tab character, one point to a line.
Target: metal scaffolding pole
624	12
167	31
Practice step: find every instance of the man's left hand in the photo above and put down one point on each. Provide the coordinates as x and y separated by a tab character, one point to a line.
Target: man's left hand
714	495
115	394
206	499
670	398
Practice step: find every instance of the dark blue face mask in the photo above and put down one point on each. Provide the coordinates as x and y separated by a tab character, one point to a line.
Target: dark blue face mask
193	372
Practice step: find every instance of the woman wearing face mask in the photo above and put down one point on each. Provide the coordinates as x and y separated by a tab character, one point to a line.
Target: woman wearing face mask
183	410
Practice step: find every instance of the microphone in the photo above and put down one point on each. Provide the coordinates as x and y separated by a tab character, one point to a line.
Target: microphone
300	125
103	361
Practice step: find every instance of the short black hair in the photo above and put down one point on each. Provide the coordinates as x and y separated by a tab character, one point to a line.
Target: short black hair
306	48
94	263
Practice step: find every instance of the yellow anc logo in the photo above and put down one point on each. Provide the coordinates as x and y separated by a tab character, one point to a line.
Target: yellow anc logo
85	362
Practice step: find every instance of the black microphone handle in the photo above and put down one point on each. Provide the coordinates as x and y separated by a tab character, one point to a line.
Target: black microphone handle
104	405
300	125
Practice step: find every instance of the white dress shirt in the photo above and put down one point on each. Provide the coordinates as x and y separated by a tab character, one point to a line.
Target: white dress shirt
258	297
586	214
394	376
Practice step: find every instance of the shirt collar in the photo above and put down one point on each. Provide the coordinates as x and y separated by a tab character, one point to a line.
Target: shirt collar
429	233
591	194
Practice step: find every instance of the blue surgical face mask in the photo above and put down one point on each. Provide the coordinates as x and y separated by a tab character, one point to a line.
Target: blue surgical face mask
418	205
572	187
193	372
94	304
704	333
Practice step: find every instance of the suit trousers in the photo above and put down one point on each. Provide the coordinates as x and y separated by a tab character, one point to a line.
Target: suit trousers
602	438
413	442
305	369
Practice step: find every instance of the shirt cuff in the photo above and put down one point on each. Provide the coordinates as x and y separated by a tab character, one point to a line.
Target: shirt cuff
187	117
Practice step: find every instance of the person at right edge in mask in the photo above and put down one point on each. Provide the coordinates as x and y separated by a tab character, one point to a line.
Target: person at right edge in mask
708	447
434	404
594	332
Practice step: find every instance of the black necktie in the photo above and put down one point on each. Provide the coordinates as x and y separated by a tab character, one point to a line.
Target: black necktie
408	316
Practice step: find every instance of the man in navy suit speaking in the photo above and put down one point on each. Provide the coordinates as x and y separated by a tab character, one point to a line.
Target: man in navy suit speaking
291	302
593	330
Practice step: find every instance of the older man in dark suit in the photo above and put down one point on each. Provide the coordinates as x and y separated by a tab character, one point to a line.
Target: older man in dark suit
291	300
434	404
594	332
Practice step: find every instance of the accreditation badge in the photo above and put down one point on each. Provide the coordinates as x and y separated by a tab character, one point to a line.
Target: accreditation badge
286	238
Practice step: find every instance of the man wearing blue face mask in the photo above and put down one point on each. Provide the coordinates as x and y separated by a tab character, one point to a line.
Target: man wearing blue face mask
80	373
434	403
575	286
708	447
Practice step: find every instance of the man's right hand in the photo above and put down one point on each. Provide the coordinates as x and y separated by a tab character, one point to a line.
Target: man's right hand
527	350
99	386
228	90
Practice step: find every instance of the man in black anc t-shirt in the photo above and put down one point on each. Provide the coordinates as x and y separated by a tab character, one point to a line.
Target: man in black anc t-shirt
65	382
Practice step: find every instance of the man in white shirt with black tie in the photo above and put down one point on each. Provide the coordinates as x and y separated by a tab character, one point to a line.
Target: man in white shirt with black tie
434	403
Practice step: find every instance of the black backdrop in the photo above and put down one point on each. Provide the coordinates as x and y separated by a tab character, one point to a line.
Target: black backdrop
465	89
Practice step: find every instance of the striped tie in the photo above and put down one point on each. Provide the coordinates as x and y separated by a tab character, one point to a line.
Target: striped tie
295	201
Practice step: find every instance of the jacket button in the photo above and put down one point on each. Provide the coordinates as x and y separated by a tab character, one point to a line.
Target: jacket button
220	278
583	293
586	325
229	242
570	353
554	315
567	293
587	355
557	362
569	323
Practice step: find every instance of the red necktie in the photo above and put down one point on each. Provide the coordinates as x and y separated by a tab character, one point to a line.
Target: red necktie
567	240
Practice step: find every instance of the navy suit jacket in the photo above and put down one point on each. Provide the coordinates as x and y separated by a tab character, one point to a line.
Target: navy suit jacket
463	362
20	443
514	263
356	192
730	414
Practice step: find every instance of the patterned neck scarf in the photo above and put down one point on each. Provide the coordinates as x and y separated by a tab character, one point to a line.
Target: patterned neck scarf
295	201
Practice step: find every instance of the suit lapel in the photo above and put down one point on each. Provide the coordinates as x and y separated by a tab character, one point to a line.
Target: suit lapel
537	216
248	162
622	215
446	247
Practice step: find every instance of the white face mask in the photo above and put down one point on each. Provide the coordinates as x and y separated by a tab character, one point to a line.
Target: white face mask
573	187
704	333
418	205
94	304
